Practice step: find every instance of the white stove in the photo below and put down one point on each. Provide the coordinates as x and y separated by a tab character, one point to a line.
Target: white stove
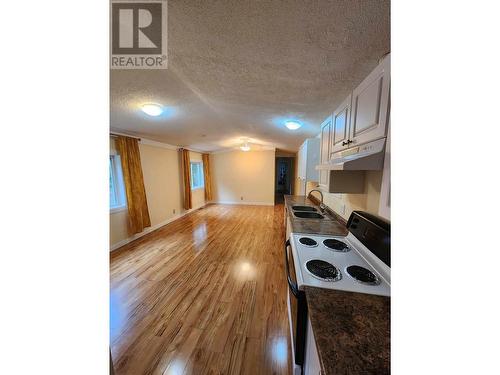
341	263
359	262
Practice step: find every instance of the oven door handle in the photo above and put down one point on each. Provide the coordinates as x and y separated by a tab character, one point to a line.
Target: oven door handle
293	286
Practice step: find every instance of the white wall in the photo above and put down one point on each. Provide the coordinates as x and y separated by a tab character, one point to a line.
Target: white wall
243	177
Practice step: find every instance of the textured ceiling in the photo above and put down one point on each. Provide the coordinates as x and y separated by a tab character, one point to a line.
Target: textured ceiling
238	69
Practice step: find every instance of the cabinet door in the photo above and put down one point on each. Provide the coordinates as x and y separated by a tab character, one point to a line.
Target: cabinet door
326	128
341	118
370	106
312	365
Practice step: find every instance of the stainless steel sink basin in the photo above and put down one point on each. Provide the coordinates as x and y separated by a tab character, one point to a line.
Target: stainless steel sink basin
308	215
304	208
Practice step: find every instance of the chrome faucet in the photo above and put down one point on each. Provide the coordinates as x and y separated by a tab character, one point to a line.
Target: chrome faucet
321	205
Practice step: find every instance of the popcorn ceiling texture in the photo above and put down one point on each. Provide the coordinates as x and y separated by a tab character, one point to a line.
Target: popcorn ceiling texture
238	69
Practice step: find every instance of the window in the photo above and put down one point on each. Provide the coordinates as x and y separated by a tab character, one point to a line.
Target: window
197	180
116	187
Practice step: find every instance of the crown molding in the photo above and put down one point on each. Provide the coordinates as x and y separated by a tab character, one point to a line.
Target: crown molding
150	142
237	149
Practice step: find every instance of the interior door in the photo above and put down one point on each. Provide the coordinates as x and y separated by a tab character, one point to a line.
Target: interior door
326	128
341	118
370	106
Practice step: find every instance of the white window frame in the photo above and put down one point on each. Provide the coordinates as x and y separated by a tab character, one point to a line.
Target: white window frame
202	186
117	176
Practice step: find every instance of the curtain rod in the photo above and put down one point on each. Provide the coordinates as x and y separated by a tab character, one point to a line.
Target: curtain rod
115	134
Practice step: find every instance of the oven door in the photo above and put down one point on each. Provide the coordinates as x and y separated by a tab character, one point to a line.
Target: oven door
297	309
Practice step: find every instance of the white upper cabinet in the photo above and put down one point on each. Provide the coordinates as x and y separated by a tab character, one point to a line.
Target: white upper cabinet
370	106
326	128
307	159
340	127
361	118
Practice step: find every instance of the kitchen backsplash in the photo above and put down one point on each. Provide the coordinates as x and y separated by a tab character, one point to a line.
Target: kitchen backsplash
344	204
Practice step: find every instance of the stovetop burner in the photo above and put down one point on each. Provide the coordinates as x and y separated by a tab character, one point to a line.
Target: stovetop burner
323	270
336	245
362	275
306	241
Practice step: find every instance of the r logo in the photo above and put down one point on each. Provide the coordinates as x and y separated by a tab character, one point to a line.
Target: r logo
136	28
138	34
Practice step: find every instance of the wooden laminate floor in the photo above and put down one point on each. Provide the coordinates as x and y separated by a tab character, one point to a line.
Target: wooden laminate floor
205	294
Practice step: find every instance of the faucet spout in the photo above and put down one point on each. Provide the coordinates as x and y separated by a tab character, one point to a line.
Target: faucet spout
321	205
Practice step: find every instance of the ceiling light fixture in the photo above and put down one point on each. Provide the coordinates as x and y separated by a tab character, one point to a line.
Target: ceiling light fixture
292	125
245	147
152	109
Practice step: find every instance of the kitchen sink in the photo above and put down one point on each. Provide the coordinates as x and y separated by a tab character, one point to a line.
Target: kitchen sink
308	215
304	208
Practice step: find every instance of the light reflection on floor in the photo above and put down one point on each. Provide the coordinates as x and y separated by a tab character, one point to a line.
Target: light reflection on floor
176	367
117	313
245	270
200	235
280	350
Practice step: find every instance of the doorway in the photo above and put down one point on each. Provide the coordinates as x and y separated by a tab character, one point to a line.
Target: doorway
283	178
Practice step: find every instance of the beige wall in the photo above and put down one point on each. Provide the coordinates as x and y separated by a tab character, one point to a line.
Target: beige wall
296	181
237	174
117	227
368	201
163	184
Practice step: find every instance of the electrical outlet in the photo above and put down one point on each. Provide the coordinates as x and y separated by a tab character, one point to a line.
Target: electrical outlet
342	208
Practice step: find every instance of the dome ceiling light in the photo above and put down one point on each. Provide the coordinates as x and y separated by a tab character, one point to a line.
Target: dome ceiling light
152	109
292	125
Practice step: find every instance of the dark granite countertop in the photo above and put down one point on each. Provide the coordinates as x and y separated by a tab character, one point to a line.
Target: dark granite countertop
332	225
352	331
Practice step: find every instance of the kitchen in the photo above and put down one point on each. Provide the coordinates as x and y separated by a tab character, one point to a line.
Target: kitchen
352	256
328	244
219	185
233	199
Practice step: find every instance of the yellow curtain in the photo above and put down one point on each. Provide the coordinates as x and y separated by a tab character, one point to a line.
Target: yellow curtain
208	177
186	174
138	215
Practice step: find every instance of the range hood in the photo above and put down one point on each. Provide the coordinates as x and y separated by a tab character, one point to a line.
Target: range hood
367	157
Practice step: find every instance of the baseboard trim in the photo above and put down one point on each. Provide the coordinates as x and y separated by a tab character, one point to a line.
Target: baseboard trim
245	203
151	229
